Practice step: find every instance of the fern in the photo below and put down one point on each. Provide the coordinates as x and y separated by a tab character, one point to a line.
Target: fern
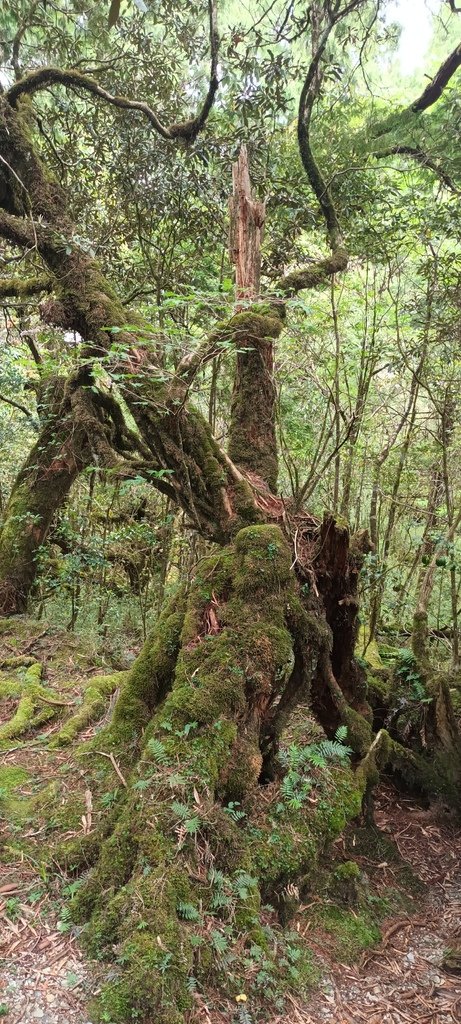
219	941
157	751
181	810
190	822
331	750
187	912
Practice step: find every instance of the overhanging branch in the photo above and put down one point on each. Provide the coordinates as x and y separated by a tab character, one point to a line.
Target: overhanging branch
421	158
16	405
43	78
429	96
314	274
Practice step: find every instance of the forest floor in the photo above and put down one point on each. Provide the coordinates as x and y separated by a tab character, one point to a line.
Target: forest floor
403	979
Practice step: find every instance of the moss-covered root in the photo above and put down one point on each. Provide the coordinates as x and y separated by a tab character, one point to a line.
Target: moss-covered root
92	708
434	774
152	881
36	705
151	677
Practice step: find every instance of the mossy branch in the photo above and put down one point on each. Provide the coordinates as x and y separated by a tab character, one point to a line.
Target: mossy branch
188	130
315	274
17	231
21	287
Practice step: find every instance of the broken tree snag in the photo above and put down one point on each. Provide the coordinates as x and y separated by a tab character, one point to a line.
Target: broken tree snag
247	217
252	442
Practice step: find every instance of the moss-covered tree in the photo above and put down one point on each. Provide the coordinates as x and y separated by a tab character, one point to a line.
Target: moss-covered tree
268	622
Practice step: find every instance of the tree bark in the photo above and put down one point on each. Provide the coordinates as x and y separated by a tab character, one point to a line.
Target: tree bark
38	492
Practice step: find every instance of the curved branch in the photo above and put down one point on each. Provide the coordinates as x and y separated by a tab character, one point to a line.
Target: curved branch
187	130
421	158
313	275
315	177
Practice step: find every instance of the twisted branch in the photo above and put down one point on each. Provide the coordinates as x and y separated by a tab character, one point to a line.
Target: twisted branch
187	130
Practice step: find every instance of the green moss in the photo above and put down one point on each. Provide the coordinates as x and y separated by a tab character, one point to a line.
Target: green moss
12	776
352	933
252	443
93	706
345	883
18	661
292	840
58	808
9	687
37	705
263	560
151	675
379	689
368	650
359	731
21	719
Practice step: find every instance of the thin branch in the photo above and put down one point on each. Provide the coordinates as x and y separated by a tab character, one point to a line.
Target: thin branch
18	38
315	177
16	405
421	158
187	130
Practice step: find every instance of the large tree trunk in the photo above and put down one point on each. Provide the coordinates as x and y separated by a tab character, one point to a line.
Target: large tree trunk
204	835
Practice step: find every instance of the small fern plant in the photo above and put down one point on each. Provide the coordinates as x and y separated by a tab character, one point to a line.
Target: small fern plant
299	762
